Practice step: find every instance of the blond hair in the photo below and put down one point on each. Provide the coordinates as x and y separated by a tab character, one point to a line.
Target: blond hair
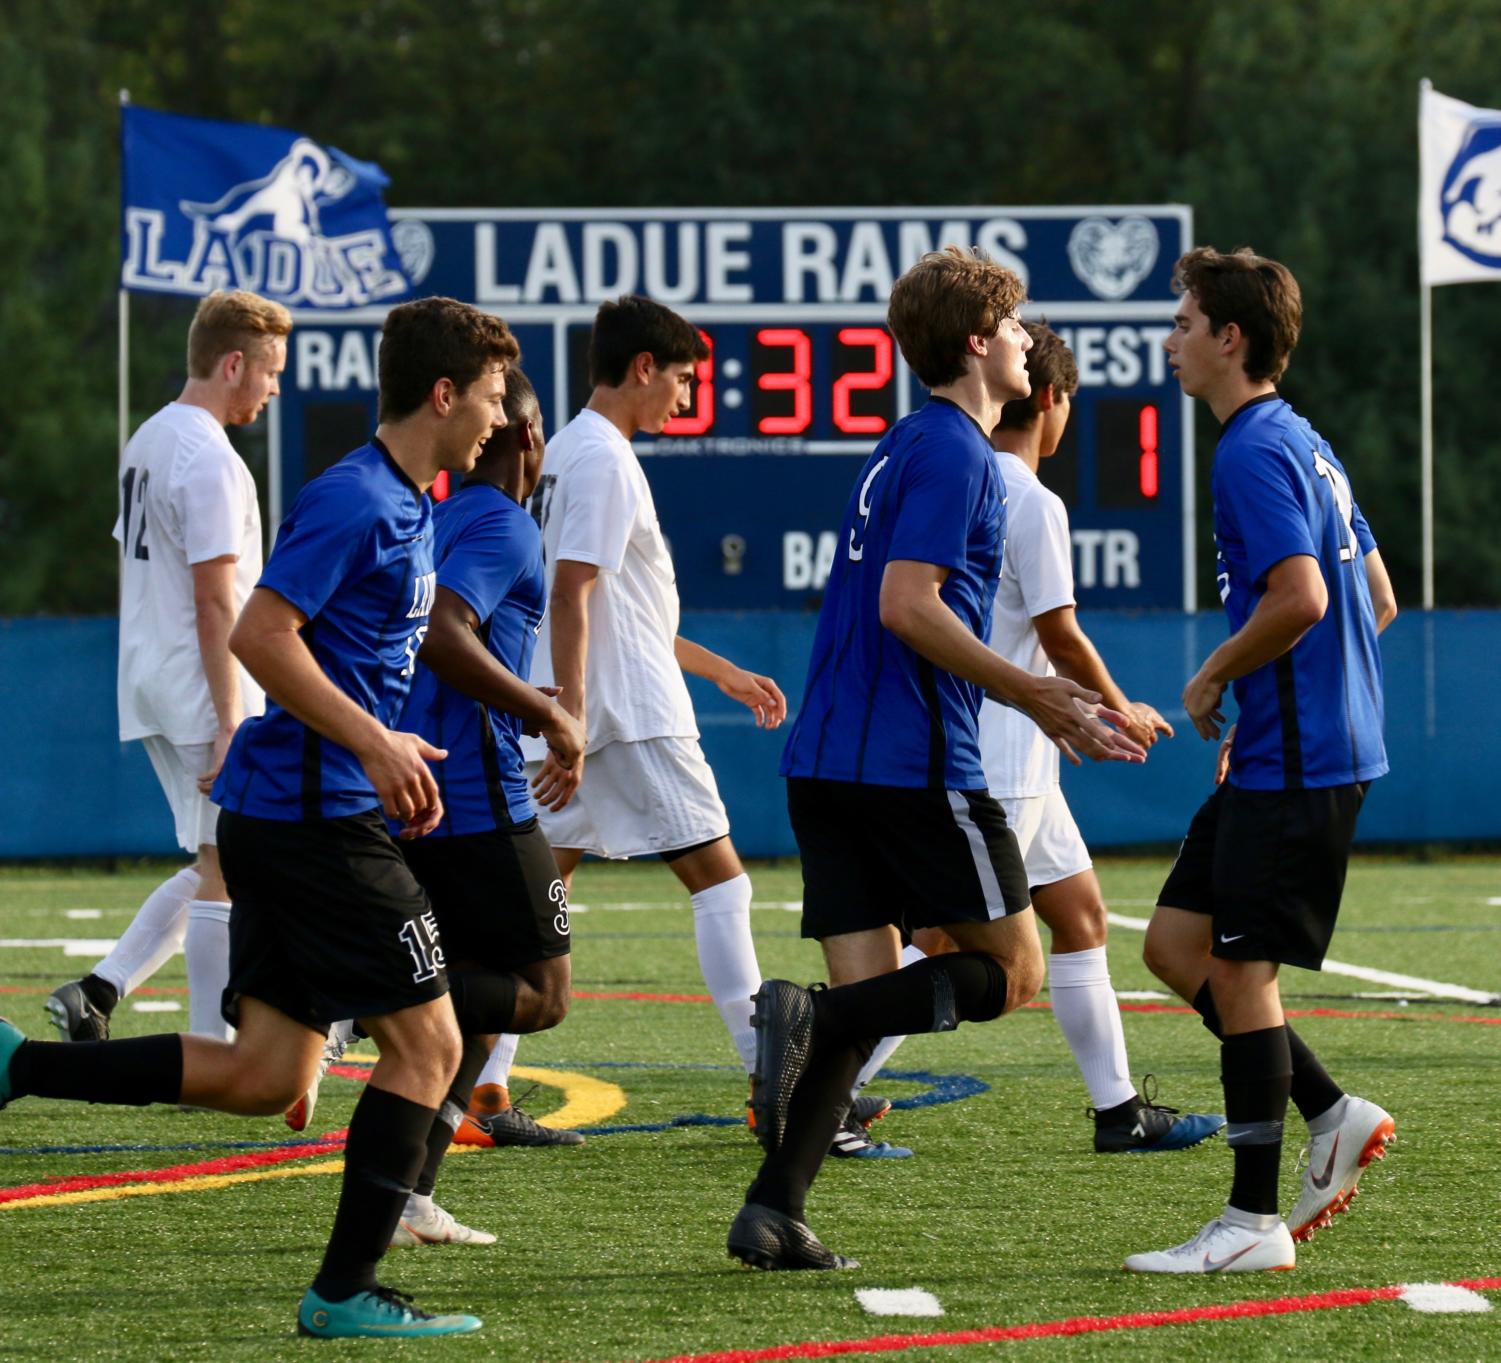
230	320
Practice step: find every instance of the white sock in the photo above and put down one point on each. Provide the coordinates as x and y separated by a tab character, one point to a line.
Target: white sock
1084	1004
887	1045
498	1067
154	934
418	1204
207	950
727	957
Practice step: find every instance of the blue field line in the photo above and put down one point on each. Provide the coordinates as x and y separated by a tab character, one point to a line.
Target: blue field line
942	1088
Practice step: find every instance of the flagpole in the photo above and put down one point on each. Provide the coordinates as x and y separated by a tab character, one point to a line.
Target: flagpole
1425	378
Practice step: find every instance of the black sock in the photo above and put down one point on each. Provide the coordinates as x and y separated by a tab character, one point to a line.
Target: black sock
471	1062
935	994
100	992
819	1103
484	1001
1256	1069
383	1156
134	1072
1313	1091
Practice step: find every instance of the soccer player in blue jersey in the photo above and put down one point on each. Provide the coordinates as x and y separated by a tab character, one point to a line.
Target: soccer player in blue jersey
501	905
328	921
1258	880
884	783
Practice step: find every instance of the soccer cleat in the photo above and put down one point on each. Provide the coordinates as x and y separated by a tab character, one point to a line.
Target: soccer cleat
1221	1248
761	1237
75	1015
512	1126
852	1141
11	1038
381	1313
334	1045
783	1019
1148	1127
867	1108
433	1226
1335	1162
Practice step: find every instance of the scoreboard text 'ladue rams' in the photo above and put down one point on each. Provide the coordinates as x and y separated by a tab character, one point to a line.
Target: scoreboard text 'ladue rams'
802	377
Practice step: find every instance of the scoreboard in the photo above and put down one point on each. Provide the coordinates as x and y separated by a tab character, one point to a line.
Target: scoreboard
802	377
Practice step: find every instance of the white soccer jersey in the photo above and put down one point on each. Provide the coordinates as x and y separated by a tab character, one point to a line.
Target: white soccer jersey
185	497
1037	576
595	506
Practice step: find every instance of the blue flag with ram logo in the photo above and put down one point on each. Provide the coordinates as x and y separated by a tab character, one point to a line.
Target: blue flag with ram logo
212	205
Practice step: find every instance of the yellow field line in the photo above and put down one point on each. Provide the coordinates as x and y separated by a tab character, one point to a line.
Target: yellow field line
586	1101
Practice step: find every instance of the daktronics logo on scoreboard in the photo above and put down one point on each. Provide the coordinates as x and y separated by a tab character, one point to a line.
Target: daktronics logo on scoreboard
802	376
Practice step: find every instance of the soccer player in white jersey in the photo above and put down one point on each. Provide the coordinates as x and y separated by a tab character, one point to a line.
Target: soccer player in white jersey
190	535
1034	625
611	642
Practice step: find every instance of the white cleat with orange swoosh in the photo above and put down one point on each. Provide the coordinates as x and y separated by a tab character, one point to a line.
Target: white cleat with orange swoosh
1222	1248
1336	1160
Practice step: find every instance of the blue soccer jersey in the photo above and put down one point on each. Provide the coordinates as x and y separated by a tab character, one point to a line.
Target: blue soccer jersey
488	552
356	557
875	711
1312	717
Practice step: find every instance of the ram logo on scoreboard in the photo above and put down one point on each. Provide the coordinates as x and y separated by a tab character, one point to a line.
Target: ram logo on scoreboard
803	377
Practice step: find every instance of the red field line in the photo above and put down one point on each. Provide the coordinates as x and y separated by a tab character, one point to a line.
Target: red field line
1074	1325
229	1164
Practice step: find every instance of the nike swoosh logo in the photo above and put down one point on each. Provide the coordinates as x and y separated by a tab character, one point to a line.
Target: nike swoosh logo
1215	1265
1226	940
1321	1181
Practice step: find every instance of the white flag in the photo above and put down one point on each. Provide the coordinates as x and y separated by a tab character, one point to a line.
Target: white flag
1459	195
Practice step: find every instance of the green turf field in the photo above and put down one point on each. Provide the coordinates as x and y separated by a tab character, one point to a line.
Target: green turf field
615	1251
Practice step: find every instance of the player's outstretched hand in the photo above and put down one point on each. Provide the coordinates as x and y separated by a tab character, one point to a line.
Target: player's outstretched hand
1072	717
1222	758
397	768
761	695
1201	698
553	786
1146	724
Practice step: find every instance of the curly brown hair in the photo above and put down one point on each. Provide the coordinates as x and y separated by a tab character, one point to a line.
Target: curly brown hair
1259	295
437	338
1049	362
944	299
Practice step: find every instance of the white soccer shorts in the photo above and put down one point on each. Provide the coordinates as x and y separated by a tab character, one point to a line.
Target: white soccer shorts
1052	848
653	795
178	769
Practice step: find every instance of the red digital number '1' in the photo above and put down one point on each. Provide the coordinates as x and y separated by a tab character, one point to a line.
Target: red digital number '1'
877	376
1146	429
796	380
701	416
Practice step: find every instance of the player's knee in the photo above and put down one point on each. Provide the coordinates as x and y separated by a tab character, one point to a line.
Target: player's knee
551	1010
1158	956
1025	971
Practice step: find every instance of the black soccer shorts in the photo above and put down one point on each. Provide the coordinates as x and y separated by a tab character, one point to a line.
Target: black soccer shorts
500	901
1269	867
326	921
906	857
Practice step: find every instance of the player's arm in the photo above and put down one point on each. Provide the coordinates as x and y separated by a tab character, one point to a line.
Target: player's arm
213	619
1074	655
568	614
454	651
268	641
761	695
912	609
1383	596
1294	602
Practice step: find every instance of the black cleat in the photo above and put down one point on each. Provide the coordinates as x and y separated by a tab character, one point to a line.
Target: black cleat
74	1014
783	1019
1143	1126
867	1108
761	1237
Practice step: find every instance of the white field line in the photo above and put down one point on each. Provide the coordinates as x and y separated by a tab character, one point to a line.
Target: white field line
1437	988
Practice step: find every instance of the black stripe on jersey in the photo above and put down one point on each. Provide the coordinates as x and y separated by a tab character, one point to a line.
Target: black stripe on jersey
1292	739
871	685
927	678
833	659
312	751
490	761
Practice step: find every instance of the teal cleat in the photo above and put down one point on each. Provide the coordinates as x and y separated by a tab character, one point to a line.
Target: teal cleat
11	1038
382	1313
